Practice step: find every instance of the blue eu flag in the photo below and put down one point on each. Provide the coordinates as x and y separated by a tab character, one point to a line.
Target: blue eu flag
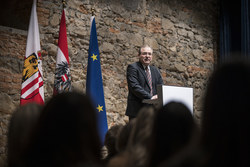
94	85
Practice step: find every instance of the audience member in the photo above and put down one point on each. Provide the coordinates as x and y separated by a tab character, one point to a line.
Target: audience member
225	121
136	153
123	136
66	134
110	141
122	141
173	130
20	129
140	138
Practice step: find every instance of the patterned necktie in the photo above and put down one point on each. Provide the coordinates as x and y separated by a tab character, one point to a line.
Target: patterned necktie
149	80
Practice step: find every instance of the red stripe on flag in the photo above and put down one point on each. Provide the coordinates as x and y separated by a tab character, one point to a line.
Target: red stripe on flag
36	91
27	87
40	84
37	99
62	41
65	77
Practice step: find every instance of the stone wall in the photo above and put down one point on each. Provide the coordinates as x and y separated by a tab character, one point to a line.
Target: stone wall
183	34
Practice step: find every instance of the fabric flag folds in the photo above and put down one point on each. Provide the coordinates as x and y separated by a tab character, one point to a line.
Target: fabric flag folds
94	85
32	77
62	81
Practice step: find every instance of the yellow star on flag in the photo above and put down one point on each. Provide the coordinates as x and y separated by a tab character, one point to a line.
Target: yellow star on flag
99	108
94	57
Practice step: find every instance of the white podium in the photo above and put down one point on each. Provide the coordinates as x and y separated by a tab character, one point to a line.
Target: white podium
172	93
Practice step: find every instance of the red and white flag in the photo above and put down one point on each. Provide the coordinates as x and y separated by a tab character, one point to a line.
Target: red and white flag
32	79
62	74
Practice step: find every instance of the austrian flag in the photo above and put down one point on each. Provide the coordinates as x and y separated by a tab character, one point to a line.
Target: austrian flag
62	73
32	80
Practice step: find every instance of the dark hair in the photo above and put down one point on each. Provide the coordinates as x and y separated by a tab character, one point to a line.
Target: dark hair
140	137
225	119
172	131
21	125
143	127
123	136
111	139
66	132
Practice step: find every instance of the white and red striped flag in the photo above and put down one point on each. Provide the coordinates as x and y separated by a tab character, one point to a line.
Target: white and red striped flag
62	74
32	79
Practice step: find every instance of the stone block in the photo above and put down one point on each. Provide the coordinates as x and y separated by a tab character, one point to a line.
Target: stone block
6	104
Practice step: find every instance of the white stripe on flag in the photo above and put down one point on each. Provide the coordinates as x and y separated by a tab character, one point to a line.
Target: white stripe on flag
64	78
60	57
32	89
29	80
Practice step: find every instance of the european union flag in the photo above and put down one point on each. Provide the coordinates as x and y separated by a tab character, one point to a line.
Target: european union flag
94	85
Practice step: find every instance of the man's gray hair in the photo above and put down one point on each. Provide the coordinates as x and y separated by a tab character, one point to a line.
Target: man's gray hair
144	46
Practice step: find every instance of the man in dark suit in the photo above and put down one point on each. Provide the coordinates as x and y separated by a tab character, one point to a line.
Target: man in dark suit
142	81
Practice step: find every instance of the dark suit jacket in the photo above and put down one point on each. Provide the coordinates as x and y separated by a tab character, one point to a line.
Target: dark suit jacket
139	88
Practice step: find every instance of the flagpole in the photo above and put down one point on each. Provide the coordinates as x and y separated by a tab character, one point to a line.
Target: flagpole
92	15
93	11
64	3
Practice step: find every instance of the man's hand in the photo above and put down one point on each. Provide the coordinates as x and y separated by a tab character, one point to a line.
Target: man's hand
154	97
